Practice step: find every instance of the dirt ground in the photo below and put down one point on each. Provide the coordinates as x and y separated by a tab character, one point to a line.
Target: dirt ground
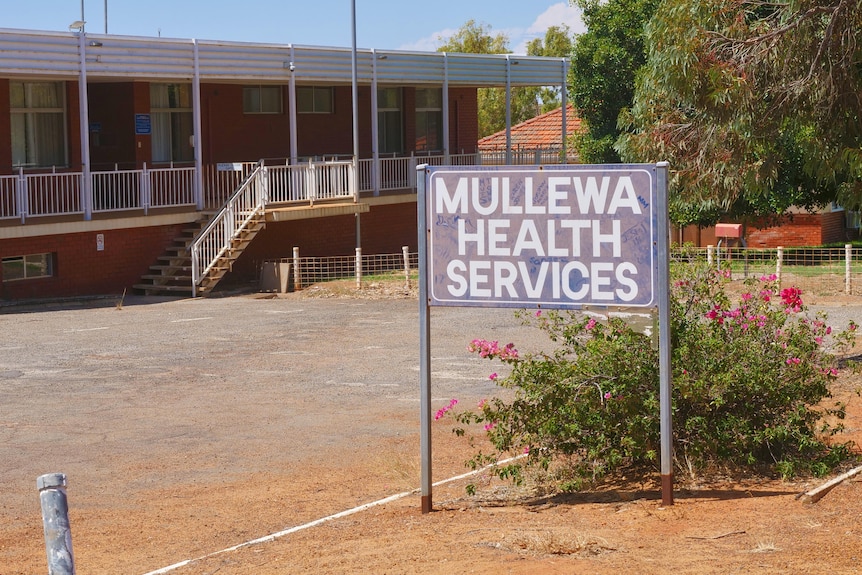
189	428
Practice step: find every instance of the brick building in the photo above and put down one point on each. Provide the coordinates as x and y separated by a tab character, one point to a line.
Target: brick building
112	148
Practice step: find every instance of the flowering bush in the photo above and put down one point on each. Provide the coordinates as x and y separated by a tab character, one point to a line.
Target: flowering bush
750	380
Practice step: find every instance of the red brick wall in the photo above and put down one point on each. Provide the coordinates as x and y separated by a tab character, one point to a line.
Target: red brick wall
463	120
79	269
383	230
795	231
798	230
5	129
229	135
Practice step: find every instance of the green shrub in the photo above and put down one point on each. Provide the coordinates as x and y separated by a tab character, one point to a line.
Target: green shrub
750	388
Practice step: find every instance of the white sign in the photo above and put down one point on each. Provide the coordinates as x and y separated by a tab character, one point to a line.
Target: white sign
554	236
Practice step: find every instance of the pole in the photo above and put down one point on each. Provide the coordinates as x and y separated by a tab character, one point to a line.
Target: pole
355	96
424	344
55	520
665	383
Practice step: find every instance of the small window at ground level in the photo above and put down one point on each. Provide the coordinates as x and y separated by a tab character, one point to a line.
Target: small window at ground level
261	99
27	267
314	100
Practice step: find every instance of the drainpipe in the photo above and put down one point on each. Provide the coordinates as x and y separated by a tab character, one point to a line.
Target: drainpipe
83	107
196	105
563	90
375	129
446	109
508	111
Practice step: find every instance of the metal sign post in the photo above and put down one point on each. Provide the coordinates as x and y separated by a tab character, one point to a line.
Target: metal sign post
557	236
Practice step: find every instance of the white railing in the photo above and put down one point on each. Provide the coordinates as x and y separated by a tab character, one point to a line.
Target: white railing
25	195
51	194
312	181
119	190
169	187
9	200
215	239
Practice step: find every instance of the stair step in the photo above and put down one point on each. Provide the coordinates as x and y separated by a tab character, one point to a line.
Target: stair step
166	287
186	278
171	268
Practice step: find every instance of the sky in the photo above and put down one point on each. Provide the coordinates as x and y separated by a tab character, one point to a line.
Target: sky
381	24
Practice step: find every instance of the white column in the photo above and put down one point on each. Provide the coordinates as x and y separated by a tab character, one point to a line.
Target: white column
196	112
83	107
446	151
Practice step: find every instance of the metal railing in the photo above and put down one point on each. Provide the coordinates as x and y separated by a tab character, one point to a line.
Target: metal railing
215	239
25	195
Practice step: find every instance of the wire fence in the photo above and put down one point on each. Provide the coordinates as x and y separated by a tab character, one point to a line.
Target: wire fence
821	271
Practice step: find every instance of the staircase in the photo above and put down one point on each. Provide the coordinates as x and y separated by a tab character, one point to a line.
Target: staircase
172	274
204	254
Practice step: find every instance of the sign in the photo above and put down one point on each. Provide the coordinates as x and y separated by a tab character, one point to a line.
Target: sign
553	236
229	166
143	125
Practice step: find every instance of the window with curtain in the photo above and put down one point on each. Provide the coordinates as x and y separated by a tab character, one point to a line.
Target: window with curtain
429	119
314	100
38	117
172	124
261	100
390	139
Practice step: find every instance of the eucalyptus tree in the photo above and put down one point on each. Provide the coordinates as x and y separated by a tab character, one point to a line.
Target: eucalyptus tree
755	103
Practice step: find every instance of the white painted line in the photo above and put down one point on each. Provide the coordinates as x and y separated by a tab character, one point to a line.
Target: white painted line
316	522
190	319
88	329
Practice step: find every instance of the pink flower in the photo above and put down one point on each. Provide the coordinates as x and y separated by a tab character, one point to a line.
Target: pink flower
608	395
746	296
590	324
793	361
481	403
538	313
490	426
493	376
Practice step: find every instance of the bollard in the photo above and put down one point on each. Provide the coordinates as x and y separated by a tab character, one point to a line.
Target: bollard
358	268
55	518
405	252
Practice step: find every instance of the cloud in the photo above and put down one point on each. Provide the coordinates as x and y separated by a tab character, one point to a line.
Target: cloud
556	15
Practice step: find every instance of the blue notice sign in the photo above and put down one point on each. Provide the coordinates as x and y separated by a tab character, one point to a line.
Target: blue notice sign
143	125
552	236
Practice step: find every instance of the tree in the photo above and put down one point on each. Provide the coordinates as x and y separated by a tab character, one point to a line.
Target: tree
754	104
526	102
558	42
605	62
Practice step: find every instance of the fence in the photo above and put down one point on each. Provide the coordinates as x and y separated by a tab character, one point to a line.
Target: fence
818	270
821	271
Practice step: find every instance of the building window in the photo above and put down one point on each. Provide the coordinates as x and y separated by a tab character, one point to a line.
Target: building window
429	119
171	116
38	115
390	139
314	100
27	267
261	100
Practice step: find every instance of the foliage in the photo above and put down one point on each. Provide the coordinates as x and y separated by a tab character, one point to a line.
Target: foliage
754	104
750	380
604	64
526	102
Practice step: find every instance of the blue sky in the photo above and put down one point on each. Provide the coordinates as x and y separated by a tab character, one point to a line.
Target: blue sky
384	24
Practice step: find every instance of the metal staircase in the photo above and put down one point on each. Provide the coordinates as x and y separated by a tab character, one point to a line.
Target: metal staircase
202	256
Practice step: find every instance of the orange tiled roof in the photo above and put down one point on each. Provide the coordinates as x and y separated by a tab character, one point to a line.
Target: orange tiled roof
540	132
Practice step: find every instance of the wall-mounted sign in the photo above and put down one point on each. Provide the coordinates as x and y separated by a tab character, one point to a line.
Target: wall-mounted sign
143	125
551	236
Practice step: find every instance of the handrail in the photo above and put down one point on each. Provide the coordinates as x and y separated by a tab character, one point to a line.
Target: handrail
214	239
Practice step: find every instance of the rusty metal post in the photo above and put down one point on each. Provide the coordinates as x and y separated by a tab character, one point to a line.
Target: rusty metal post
55	519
